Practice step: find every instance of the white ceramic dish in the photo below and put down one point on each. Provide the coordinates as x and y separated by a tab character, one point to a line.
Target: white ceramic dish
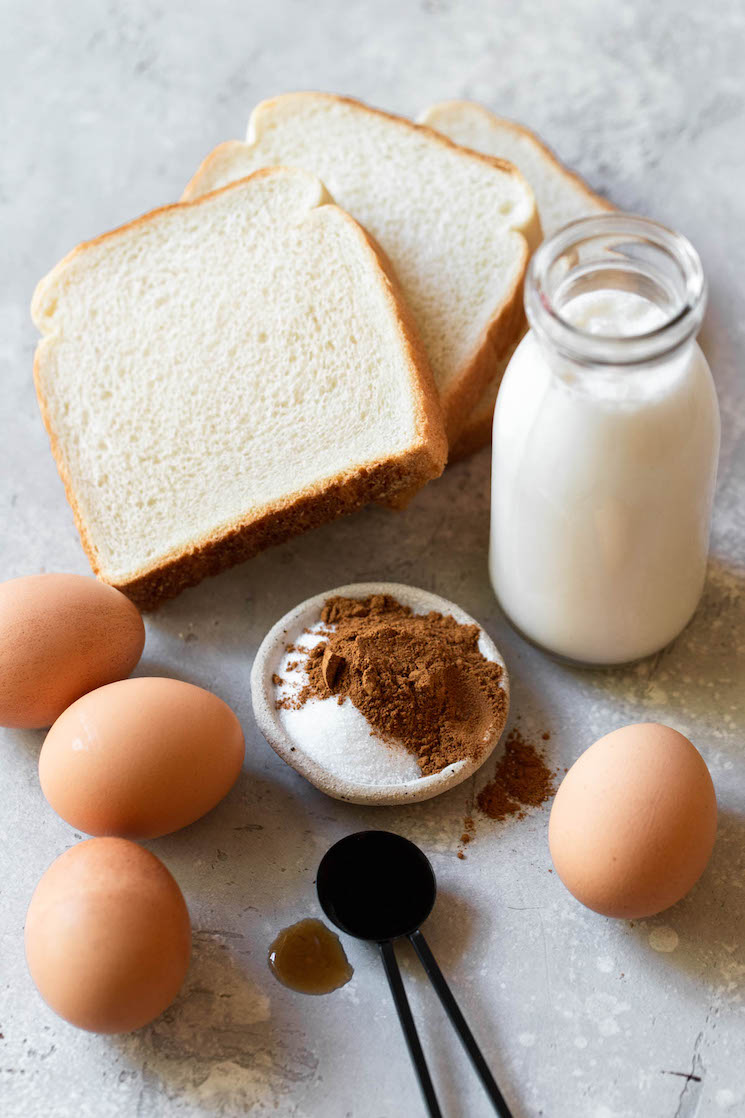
263	693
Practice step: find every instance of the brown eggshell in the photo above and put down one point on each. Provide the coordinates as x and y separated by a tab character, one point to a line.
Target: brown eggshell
633	823
61	635
141	758
108	936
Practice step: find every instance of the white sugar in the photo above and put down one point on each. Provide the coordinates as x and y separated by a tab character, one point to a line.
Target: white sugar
336	735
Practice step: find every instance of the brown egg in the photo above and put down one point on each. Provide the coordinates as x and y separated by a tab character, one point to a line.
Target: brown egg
140	758
108	936
633	823
61	635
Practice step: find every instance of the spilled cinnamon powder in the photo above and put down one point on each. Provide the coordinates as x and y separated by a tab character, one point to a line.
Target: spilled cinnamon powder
420	680
521	780
469	828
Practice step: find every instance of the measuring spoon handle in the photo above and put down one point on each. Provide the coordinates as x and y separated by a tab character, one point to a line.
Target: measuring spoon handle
411	1036
452	1009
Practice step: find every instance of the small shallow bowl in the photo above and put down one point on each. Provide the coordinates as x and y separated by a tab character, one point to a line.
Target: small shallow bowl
289	629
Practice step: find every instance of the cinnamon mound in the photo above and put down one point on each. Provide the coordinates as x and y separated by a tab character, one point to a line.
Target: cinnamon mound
419	680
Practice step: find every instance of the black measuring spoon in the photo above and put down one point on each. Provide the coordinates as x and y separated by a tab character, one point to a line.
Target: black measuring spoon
378	886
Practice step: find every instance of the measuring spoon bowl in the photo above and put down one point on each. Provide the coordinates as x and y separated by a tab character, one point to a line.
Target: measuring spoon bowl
376	885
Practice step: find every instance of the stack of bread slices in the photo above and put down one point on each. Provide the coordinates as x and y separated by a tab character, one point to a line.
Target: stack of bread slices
320	322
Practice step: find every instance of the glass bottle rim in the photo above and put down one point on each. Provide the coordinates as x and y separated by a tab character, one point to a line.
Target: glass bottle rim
623	244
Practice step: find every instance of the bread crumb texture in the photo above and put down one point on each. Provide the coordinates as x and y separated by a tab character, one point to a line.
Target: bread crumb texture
455	225
215	377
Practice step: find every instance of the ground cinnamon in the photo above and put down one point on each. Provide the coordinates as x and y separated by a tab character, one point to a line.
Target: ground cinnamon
522	779
419	680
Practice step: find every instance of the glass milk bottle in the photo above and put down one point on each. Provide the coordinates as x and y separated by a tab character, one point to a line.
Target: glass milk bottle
606	438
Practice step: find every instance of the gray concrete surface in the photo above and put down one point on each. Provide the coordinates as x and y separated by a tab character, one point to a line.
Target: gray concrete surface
106	110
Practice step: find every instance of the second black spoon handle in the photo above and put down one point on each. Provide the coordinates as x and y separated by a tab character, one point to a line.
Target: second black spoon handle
452	1009
409	1028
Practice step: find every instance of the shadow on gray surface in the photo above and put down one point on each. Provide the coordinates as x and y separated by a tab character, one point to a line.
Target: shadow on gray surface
241	862
708	922
28	741
150	666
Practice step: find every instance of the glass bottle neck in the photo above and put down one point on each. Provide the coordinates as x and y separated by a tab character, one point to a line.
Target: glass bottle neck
615	291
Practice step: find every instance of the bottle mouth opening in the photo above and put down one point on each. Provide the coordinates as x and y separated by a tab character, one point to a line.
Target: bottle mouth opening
620	252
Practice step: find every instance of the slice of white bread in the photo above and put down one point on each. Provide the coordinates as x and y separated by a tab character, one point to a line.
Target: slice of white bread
220	375
457	226
561	196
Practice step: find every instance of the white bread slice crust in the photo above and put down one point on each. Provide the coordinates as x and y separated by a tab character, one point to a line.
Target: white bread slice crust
477	431
456	225
561	196
218	376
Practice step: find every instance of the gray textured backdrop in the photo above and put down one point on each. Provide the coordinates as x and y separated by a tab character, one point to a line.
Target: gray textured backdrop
106	110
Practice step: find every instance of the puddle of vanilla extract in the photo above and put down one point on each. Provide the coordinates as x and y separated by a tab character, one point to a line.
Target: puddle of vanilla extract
308	957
